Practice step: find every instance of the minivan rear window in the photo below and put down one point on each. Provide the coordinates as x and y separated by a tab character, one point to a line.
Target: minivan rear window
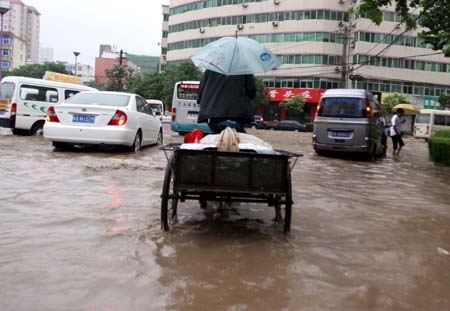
423	118
342	107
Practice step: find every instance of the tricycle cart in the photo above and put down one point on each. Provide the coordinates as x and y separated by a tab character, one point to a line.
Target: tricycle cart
225	177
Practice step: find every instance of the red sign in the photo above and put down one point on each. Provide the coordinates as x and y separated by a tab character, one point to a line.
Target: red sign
284	94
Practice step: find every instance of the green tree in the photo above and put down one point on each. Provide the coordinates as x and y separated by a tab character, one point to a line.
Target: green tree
36	70
149	86
295	105
119	78
262	98
433	17
392	100
444	100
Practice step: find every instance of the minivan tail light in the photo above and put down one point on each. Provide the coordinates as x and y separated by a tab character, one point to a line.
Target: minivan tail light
13	109
51	115
174	114
368	109
119	118
317	111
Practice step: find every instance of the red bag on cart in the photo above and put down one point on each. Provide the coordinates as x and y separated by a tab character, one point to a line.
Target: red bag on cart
193	137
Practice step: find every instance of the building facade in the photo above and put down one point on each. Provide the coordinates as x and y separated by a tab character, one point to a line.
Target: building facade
85	72
321	45
24	22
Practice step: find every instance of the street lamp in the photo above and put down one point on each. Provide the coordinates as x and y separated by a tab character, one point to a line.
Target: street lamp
5	6
76	65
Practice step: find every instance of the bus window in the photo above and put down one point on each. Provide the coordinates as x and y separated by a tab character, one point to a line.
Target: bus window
439	120
187	91
423	118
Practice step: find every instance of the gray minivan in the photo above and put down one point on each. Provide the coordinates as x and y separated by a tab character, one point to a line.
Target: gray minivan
350	120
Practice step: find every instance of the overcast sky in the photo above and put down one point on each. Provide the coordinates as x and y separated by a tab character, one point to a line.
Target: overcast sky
82	25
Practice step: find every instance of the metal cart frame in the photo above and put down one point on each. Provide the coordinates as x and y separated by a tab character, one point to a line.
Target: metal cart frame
225	177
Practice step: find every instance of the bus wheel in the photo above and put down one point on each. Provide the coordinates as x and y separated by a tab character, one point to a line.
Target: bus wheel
37	129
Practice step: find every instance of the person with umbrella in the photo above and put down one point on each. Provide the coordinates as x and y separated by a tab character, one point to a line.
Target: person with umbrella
226	98
228	84
397	140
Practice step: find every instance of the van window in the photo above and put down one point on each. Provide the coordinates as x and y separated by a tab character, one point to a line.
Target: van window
342	107
439	120
69	93
38	93
6	90
423	118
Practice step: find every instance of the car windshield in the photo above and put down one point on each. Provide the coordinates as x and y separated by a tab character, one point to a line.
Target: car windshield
342	107
423	118
101	99
6	90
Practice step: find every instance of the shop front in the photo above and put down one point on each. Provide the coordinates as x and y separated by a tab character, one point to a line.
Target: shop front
278	95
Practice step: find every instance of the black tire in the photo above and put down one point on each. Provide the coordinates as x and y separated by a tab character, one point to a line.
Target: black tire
61	145
37	129
20	132
160	139
137	143
168	197
288	204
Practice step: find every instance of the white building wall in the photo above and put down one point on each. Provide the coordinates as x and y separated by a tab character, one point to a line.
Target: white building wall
309	25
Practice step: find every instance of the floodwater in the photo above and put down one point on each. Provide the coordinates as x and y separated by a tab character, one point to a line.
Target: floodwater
80	231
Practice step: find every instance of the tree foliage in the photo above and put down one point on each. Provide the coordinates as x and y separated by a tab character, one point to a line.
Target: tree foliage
160	85
262	98
391	101
295	104
36	71
433	16
444	100
119	78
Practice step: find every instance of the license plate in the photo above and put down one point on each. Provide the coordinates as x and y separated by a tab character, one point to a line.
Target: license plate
83	118
192	114
343	134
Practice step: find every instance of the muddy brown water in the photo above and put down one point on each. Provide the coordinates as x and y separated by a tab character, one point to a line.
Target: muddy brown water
80	231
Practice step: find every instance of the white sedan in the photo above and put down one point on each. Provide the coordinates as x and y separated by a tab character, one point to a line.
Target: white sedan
109	118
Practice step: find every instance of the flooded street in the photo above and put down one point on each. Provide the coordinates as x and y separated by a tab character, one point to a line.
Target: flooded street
81	230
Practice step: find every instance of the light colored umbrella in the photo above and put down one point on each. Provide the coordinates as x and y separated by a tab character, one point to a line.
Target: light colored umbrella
235	56
408	108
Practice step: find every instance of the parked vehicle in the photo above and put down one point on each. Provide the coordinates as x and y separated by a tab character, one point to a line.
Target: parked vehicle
258	122
167	117
429	121
103	118
185	108
289	125
24	102
157	107
350	120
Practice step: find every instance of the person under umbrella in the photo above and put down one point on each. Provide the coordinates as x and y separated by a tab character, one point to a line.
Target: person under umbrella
226	99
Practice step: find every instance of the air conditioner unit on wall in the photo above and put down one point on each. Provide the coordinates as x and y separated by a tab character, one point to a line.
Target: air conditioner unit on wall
275	24
240	26
201	30
244	4
276	1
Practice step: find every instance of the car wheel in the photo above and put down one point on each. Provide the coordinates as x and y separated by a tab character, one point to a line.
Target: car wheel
37	129
160	139
296	130
61	145
137	143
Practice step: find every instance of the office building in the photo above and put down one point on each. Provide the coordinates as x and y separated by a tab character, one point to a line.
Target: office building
321	46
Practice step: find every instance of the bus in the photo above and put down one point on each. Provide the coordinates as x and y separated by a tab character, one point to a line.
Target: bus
429	121
185	108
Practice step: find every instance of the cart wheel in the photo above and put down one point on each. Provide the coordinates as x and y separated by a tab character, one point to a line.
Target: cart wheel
168	197
277	206
288	207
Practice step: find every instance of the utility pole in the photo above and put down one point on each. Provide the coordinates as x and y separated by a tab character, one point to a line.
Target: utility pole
120	57
344	62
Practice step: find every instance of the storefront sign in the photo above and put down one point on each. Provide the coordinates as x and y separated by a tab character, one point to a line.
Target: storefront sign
55	76
285	94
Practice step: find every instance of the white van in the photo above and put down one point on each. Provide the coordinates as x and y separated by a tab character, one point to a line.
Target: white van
24	102
429	121
350	120
157	107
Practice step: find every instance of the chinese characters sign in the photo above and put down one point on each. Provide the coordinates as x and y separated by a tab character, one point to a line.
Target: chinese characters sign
285	94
